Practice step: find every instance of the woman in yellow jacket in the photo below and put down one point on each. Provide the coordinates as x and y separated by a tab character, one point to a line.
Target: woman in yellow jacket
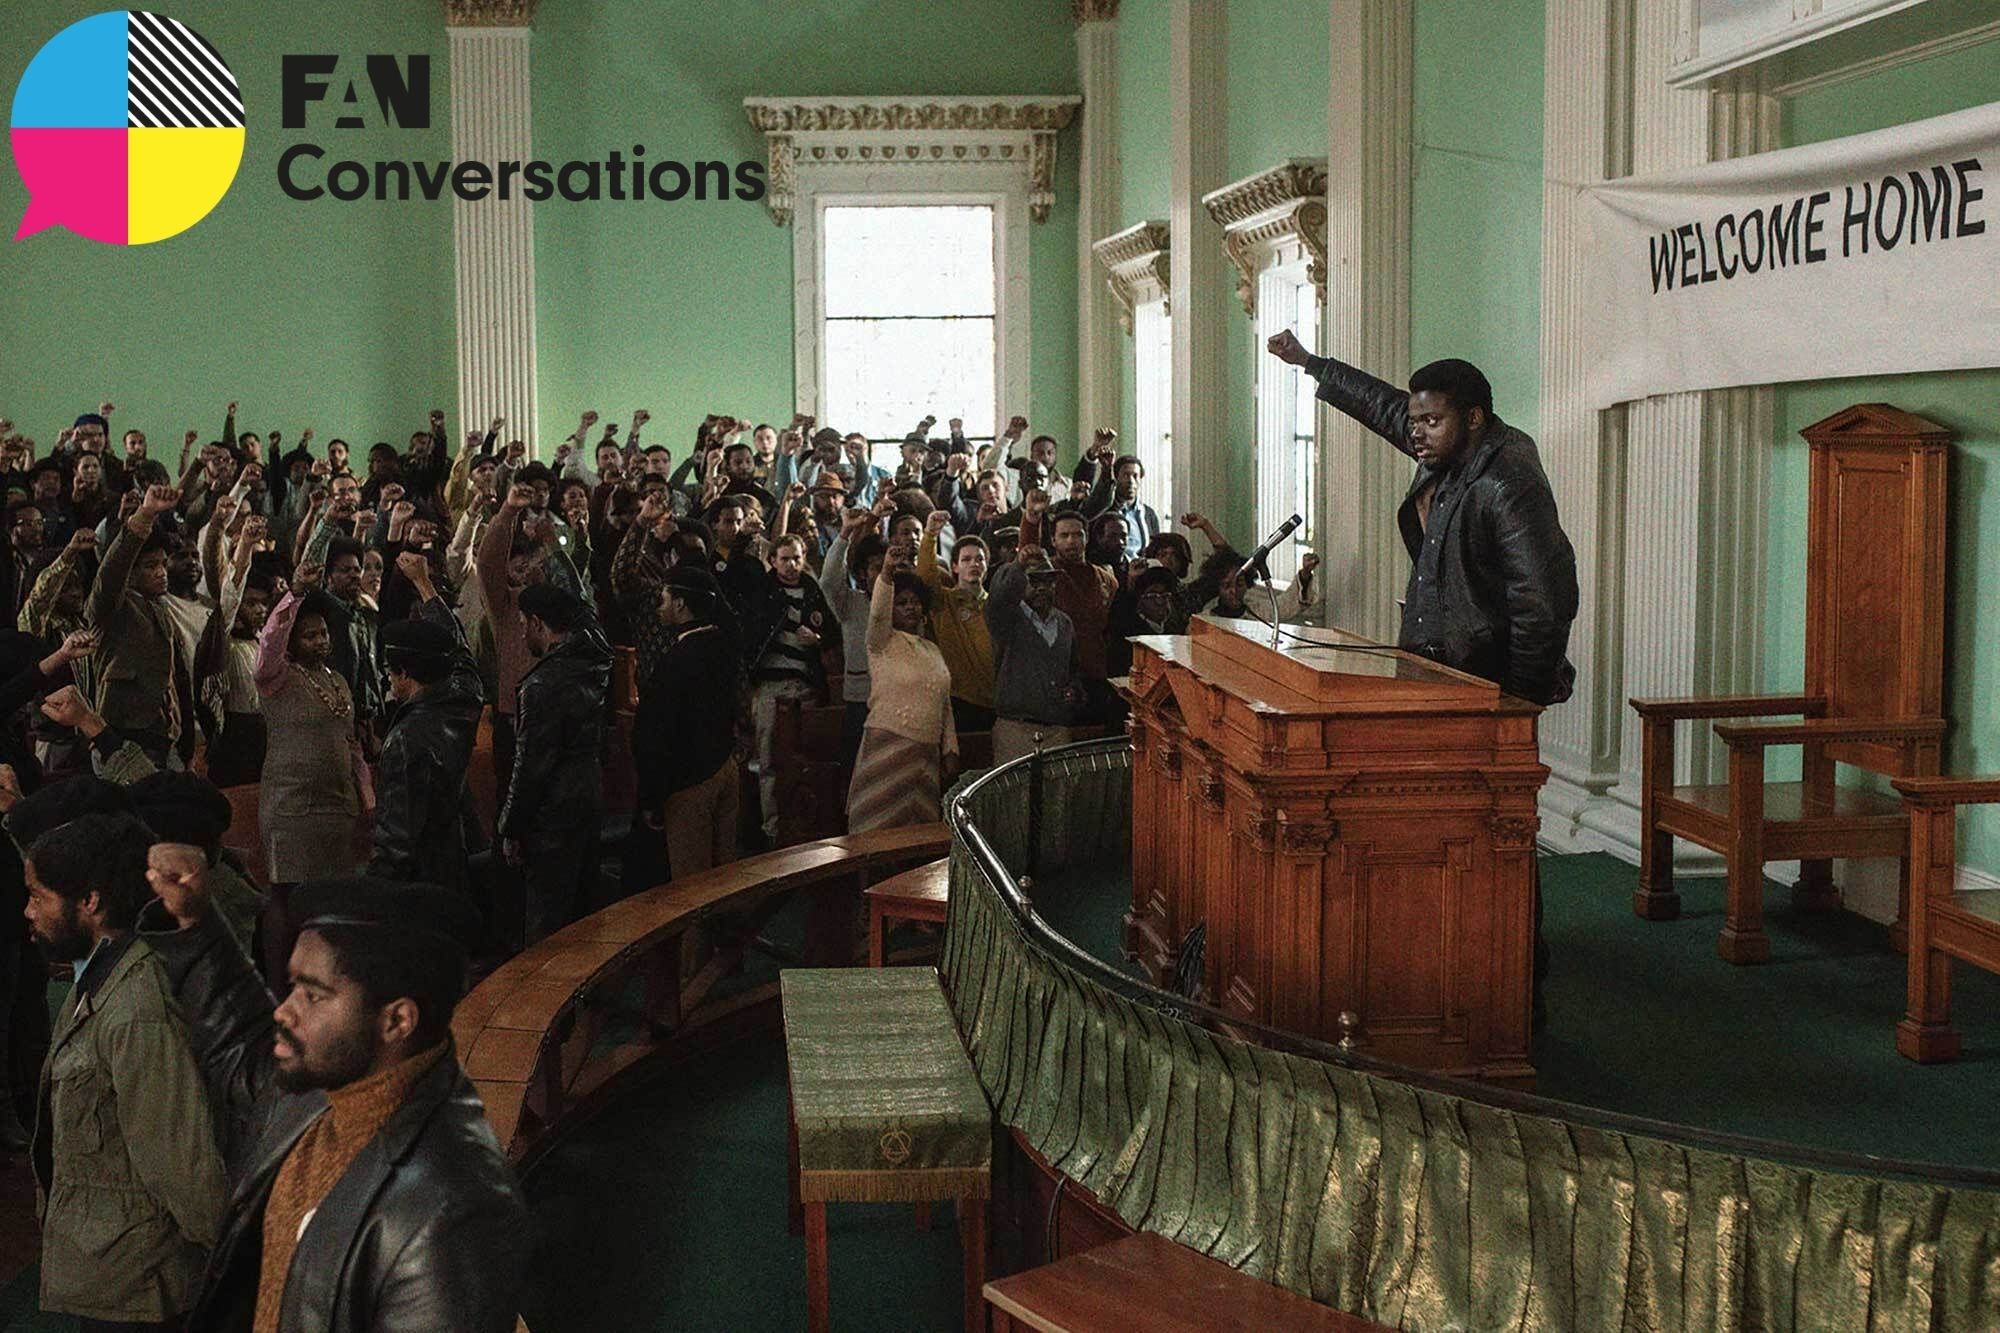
958	622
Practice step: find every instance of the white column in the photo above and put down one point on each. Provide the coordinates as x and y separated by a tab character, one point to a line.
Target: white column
1694	471
1197	266
1664	499
1585	130
1099	378
493	241
1367	304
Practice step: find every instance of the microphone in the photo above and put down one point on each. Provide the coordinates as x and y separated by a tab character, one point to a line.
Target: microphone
1270	544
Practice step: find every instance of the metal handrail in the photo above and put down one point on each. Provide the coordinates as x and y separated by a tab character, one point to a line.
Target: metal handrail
1066	953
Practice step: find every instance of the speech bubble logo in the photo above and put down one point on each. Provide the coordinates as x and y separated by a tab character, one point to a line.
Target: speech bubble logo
127	129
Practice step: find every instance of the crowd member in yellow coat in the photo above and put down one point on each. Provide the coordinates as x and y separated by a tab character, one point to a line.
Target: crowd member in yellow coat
958	622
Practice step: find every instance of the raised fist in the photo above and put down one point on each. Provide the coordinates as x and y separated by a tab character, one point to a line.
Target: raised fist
159	499
188	438
105	409
412	566
1285	345
520	495
231	410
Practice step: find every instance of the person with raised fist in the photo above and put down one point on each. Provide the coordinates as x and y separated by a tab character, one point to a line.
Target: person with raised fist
145	682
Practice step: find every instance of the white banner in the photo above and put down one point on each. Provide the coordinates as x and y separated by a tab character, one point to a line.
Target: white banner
1872	255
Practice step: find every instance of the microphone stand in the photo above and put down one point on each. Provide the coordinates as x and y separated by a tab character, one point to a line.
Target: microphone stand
1277	637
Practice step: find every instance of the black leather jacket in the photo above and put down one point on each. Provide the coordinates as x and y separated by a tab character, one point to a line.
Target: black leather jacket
762	604
420	782
559	724
425	1231
1506	576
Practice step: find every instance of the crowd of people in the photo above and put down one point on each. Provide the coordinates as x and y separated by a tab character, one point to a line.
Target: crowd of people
236	1050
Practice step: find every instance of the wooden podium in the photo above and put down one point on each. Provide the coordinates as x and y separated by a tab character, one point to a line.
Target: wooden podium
1355	825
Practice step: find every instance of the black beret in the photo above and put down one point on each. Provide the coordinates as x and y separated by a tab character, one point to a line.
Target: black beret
415	638
387	904
686	577
1154	575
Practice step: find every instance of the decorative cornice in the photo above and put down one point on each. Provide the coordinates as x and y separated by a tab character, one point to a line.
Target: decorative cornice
1284	204
489	13
891	132
1092	11
1136	261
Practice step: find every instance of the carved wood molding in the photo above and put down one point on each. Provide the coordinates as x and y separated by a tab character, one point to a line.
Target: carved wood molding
895	132
1210	787
1284	205
1513	833
1135	264
1272	829
489	13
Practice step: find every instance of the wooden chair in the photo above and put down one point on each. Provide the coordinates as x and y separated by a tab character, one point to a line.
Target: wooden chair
812	780
1945	921
1873	696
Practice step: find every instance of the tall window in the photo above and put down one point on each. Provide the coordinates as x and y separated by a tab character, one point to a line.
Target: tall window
1153	412
909	323
1287	416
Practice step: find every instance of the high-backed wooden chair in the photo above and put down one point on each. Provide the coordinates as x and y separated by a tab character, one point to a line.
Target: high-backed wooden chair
1873	696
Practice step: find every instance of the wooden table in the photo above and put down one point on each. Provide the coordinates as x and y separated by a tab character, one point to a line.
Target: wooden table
1145	1284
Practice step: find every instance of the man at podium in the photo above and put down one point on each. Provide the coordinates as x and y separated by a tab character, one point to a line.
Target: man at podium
1492	586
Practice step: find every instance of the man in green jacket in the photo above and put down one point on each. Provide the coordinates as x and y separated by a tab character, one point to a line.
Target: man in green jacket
129	1174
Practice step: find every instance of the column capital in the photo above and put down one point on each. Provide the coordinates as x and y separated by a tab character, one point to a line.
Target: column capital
1092	11
489	13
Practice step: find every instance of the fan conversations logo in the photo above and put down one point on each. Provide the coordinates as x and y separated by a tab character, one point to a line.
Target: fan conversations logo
127	129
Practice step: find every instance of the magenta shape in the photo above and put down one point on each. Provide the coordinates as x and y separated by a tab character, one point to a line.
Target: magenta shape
76	179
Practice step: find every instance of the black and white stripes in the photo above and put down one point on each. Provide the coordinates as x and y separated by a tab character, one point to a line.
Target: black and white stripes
176	79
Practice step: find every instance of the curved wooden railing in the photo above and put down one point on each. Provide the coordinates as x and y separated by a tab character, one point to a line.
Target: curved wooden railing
547	1036
1405	1197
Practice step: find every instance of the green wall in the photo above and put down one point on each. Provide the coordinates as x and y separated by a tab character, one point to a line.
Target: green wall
1278	58
686	308
1966	401
1476	195
334	315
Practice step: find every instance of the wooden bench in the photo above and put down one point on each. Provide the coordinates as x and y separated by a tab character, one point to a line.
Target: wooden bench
885	1108
915	895
1147	1284
1945	922
527	1033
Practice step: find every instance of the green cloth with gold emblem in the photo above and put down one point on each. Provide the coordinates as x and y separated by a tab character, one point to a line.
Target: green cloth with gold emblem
886	1103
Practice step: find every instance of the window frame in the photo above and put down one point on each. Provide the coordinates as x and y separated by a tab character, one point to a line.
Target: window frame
1153	405
1282	286
940	184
